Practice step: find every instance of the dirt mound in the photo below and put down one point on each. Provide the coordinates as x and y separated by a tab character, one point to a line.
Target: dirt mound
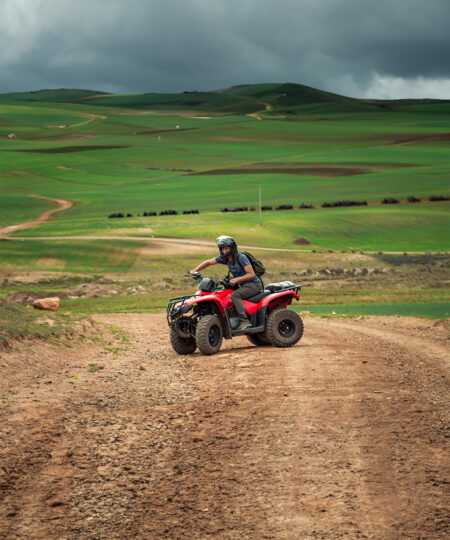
302	242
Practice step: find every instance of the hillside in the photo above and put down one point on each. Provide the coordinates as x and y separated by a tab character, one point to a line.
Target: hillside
273	99
142	155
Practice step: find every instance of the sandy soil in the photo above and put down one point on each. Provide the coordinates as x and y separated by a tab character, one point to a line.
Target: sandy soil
343	436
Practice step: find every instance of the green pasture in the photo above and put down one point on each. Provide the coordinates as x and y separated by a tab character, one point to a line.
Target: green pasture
386	228
152	152
438	310
63	256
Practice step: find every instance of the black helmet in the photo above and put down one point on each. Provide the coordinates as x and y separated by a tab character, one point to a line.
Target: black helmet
226	241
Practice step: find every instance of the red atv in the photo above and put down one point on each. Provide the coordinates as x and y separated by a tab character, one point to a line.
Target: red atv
213	317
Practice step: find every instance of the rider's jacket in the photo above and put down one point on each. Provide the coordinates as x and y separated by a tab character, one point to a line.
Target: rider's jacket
236	267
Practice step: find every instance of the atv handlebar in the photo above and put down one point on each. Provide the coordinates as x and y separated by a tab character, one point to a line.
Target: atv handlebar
225	282
196	275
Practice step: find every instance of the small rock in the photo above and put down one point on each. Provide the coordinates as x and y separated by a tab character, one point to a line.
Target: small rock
50	304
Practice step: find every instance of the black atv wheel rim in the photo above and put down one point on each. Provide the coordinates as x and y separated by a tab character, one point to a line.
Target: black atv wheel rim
214	335
286	328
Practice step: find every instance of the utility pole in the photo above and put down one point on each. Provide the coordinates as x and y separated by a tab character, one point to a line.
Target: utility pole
260	210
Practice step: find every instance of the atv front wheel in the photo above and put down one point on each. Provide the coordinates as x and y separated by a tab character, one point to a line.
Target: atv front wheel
260	340
209	334
182	345
284	328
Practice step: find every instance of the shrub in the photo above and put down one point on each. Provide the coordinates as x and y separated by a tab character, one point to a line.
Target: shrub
116	215
264	208
190	211
390	200
434	198
343	203
284	207
413	199
303	205
168	213
150	214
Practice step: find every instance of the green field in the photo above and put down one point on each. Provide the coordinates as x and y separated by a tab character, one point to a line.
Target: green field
207	151
111	153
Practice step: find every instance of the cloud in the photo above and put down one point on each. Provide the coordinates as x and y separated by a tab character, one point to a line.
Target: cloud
386	87
345	46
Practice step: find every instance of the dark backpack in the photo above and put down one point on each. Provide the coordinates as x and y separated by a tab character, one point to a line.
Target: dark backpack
257	265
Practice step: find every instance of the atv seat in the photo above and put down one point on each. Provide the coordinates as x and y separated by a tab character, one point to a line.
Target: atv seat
255	299
274	287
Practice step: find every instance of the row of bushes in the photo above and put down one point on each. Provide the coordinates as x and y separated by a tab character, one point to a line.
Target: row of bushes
145	214
119	215
336	204
343	203
264	208
433	198
237	209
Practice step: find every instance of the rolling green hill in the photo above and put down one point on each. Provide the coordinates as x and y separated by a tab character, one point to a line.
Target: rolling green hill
209	150
285	98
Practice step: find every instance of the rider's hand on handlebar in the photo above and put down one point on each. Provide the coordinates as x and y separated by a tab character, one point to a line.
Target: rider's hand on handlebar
194	274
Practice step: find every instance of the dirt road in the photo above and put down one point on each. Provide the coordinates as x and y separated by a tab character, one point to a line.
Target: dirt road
343	436
62	205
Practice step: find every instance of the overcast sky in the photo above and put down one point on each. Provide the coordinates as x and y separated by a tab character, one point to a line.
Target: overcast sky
358	48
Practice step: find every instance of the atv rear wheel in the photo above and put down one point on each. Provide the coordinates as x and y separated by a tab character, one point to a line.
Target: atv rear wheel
182	345
284	328
209	334
260	340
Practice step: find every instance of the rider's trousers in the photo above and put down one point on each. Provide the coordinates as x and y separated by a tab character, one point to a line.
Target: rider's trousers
245	291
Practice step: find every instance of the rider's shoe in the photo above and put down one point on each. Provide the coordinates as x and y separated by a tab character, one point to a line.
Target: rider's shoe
244	324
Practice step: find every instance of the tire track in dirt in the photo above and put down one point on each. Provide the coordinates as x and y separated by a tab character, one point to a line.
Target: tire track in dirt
342	436
45	216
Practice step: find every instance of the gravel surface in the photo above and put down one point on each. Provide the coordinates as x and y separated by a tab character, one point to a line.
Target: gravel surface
344	435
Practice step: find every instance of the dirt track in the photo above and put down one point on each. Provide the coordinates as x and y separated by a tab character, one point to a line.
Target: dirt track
45	216
343	436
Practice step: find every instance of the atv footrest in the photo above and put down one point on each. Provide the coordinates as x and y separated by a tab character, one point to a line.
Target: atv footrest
251	330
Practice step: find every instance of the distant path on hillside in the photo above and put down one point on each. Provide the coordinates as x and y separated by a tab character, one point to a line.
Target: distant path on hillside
197	243
267	107
160	240
92	118
62	205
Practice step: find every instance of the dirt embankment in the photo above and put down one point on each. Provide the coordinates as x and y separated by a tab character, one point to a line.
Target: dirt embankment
343	436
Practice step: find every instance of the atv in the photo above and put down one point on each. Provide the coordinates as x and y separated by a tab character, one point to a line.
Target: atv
203	319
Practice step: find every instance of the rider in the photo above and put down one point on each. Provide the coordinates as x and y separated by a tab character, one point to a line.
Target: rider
243	275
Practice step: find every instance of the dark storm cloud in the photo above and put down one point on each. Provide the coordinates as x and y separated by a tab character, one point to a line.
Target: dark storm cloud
346	46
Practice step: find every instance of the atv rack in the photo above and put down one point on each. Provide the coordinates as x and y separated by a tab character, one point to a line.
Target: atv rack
171	309
295	288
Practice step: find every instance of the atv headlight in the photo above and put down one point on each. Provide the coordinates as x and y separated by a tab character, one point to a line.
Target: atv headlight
179	309
185	309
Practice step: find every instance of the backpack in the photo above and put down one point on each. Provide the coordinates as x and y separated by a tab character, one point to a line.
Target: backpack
257	265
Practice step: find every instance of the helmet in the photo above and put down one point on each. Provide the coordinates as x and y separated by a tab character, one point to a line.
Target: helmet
226	241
